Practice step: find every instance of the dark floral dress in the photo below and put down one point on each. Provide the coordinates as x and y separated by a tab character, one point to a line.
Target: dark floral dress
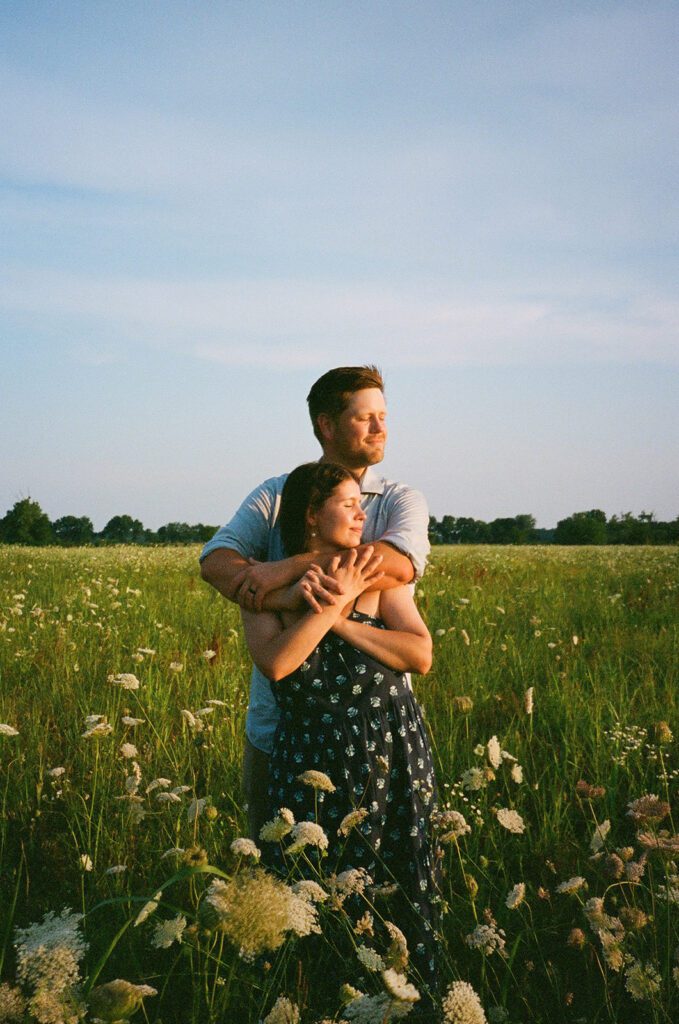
346	714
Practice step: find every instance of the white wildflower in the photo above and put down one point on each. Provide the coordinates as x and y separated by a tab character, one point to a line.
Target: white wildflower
168	798
487	938
128	750
149	908
48	956
473	779
370	958
352	820
191	720
116	869
353	880
125	680
461	1005
307	833
516	772
209	655
599	837
528	700
100	728
176	666
279	827
8	730
310	890
56	773
571	884
398	986
159	783
204	712
86	862
129	720
494	752
167	932
282	1012
511	820
317	780
196	808
516	896
245	848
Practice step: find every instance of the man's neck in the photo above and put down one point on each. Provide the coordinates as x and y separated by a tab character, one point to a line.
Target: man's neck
358	472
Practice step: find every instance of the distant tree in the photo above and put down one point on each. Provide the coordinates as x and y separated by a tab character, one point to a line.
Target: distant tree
74	530
582	528
514	530
176	533
471	531
26	523
124	530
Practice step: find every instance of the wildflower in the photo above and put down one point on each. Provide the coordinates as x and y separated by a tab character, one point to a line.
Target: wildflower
364	925
191	720
463	705
597	917
209	655
279	827
516	773
149	908
461	1005
351	881
528	700
282	1012
648	809
663	733
398	986
86	862
511	820
440	632
310	890
245	848
255	910
380	1009
662	842
12	1004
571	885
118	1000
397	954
176	666
167	932
351	820
370	958
168	798
195	857
588	792
317	780
130	721
451	824
670	893
516	896
145	650
307	833
634	869
196	808
634	918
158	784
473	779
204	712
101	728
465	636
599	837
48	956
8	730
494	752
128	750
56	773
576	939
487	938
613	867
125	680
116	869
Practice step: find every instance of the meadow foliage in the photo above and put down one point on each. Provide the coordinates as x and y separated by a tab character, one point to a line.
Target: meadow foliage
127	886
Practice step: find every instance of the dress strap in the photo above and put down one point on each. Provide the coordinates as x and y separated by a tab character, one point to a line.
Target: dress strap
353	607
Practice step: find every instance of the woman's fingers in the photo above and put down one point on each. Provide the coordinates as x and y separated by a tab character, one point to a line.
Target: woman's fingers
365	556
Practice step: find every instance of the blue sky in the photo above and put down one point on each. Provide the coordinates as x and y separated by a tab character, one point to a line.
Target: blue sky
204	206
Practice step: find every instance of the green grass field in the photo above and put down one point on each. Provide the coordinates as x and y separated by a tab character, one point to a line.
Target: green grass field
102	823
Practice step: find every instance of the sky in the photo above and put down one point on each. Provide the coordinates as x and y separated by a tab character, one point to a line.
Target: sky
204	206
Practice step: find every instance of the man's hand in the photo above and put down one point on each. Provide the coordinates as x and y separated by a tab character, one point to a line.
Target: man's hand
256	580
319	589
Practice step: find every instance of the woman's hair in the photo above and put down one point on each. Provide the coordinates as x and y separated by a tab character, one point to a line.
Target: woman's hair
307	488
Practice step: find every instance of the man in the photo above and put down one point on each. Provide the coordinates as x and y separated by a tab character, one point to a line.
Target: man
245	560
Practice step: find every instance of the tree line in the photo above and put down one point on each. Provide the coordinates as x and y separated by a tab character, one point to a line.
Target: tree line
591	527
26	523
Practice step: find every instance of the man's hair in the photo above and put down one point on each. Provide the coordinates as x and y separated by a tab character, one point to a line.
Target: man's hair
331	392
306	489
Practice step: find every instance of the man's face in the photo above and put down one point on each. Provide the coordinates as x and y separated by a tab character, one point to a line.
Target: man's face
356	438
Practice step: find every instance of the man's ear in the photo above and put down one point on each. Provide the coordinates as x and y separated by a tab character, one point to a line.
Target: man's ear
326	426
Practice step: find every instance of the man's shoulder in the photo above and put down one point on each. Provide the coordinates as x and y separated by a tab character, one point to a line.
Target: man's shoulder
273	485
393	489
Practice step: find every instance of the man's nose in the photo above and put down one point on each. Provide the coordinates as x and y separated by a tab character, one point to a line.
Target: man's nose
376	426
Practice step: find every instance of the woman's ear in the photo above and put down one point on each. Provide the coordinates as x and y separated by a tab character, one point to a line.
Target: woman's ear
311	524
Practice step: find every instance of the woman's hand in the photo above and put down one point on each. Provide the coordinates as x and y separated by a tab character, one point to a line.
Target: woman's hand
355	572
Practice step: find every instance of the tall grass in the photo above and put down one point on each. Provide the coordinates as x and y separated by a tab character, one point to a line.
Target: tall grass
593	631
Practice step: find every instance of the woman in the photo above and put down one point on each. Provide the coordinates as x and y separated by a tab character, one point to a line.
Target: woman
347	707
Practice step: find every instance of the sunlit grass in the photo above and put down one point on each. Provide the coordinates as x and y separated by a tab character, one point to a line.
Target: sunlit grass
593	631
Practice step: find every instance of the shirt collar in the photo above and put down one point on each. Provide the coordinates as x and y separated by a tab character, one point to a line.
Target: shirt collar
372	482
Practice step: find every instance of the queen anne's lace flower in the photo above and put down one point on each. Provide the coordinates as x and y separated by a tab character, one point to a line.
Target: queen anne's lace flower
571	884
317	780
307	833
461	1005
126	681
351	820
451	825
282	1012
516	896
118	1000
8	730
370	958
600	835
494	752
487	938
167	932
511	820
242	847
398	986
278	828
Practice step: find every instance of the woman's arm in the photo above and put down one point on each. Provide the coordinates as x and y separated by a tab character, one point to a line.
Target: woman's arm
405	645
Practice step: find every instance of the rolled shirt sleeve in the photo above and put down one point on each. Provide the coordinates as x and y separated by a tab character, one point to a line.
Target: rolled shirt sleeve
407	526
249	530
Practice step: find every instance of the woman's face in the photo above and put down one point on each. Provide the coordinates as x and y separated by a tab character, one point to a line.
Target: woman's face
339	521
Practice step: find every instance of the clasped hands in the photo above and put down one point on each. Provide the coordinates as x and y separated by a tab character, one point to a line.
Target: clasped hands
348	574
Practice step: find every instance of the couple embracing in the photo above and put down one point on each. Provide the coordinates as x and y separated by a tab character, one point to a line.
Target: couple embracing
321	562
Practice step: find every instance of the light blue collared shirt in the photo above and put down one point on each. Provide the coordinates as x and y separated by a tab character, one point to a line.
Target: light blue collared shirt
395	513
